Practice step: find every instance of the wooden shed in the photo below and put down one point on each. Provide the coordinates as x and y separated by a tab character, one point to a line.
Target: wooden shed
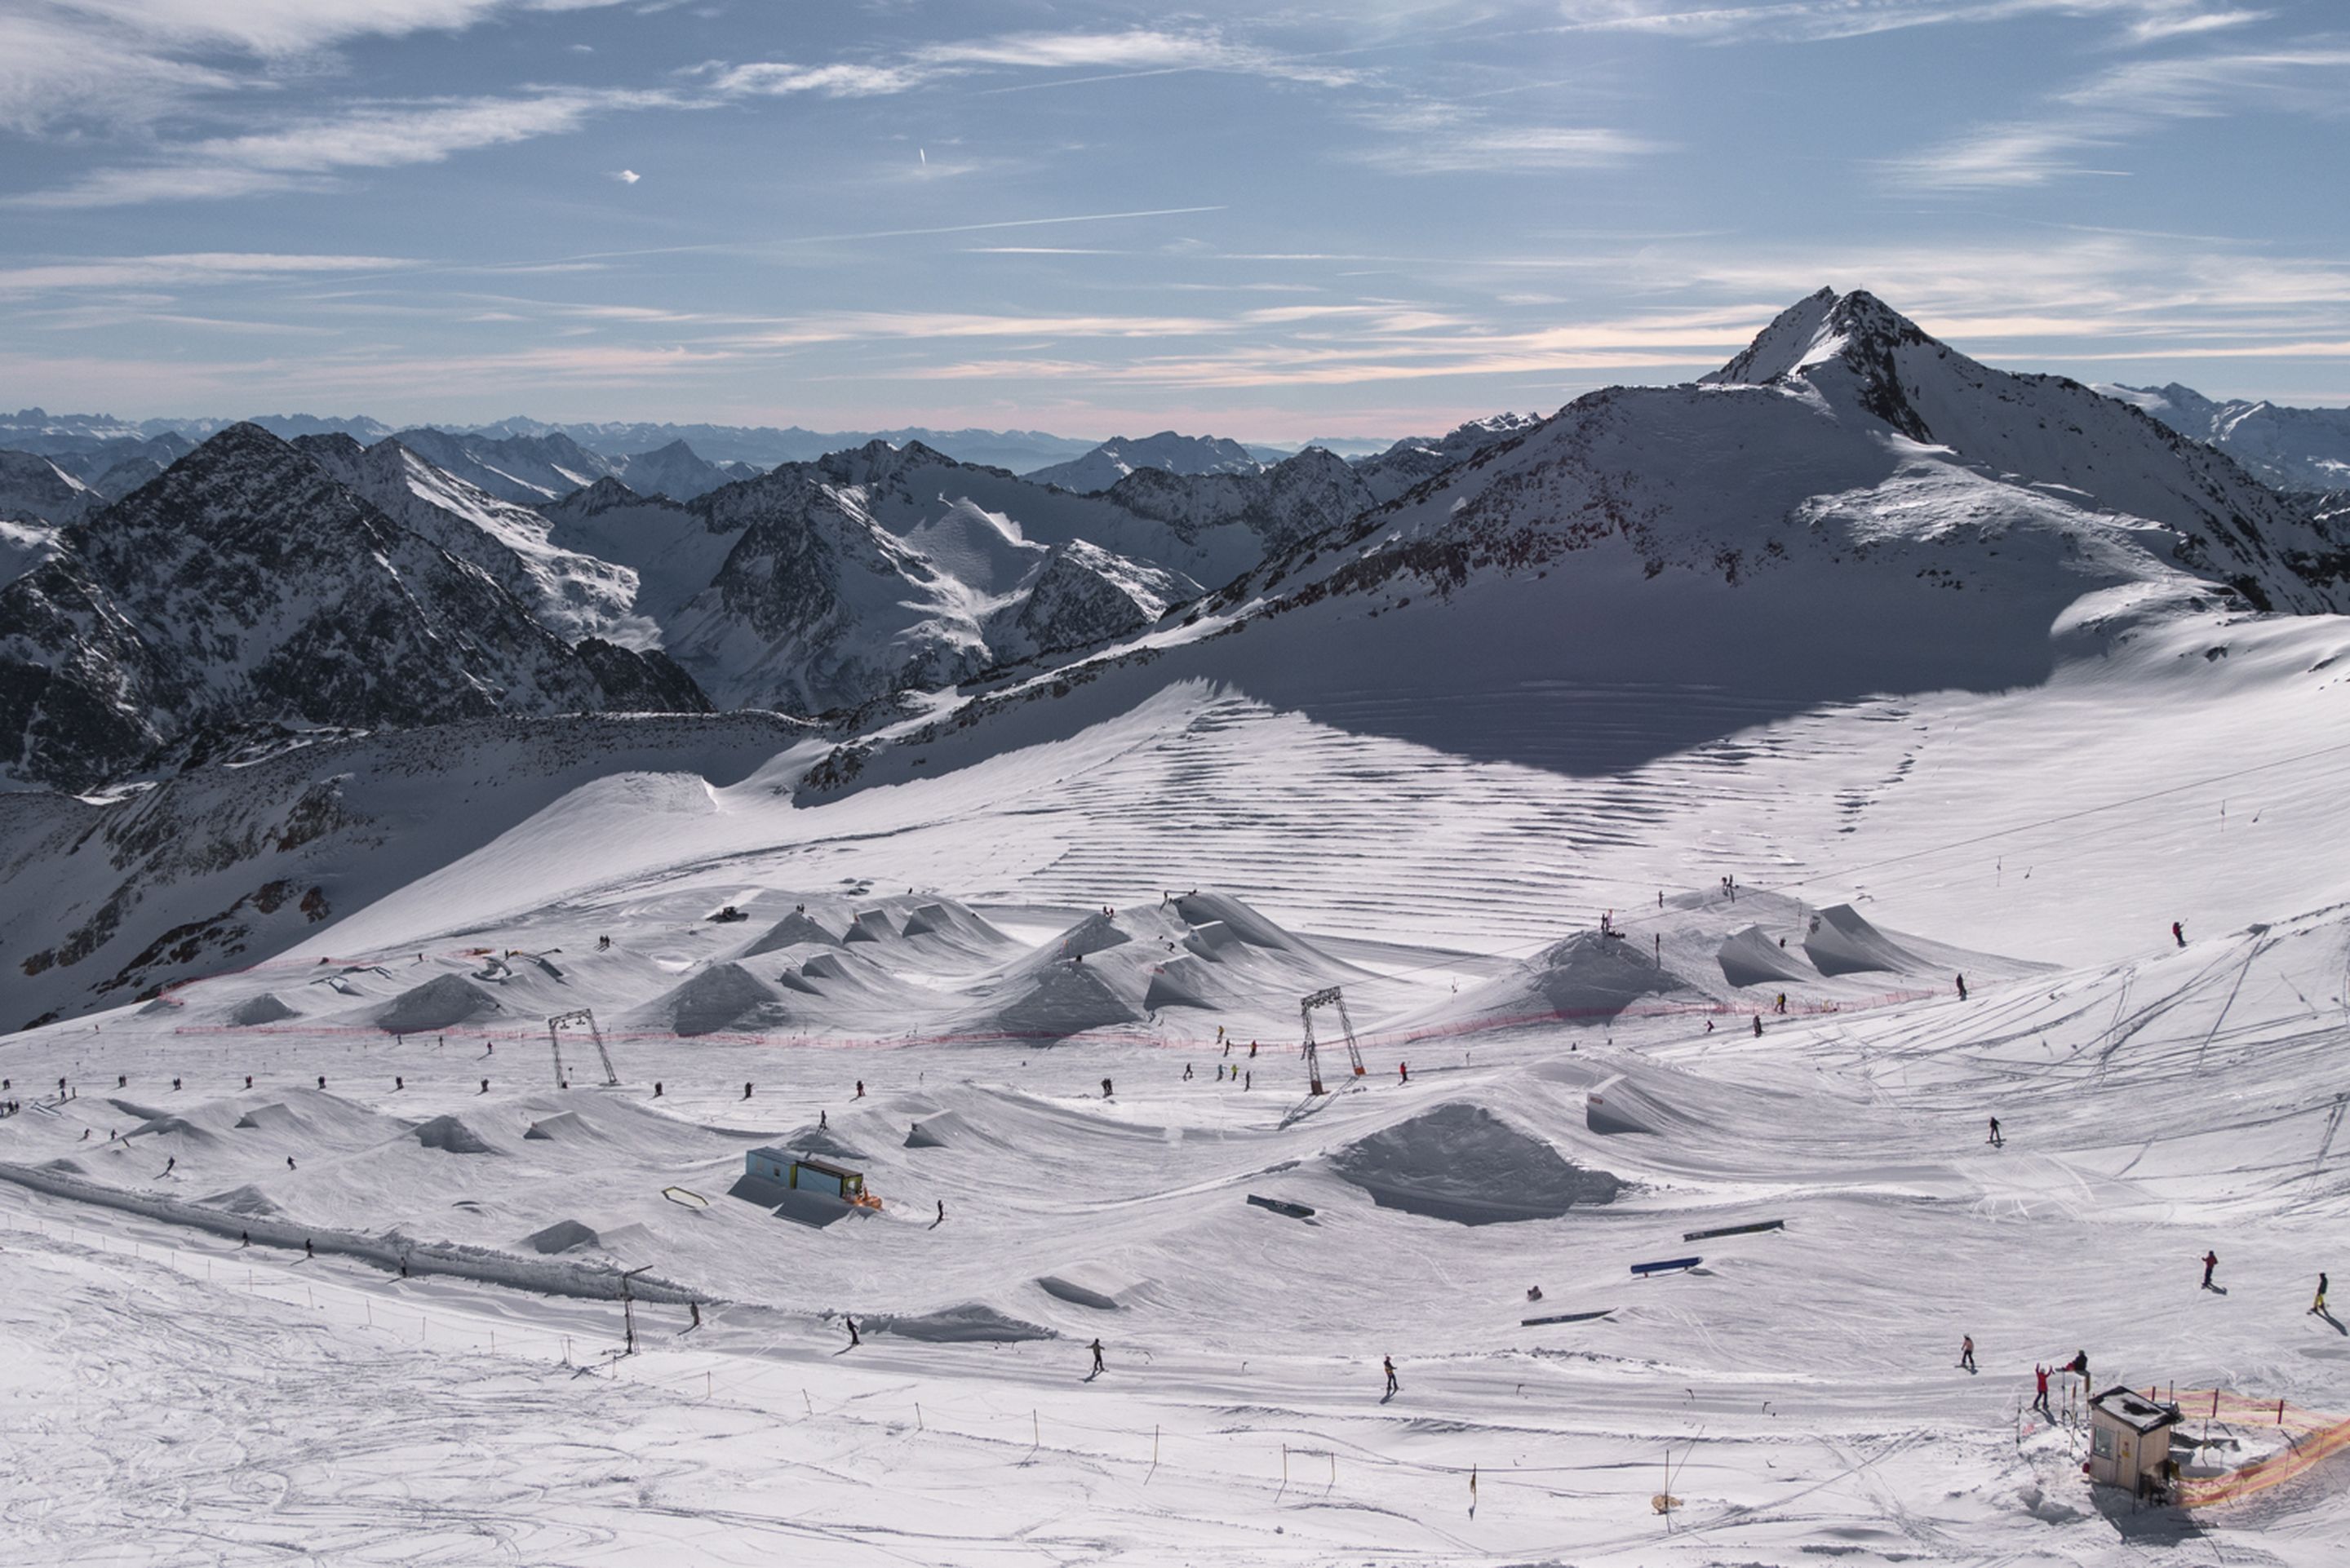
2129	1442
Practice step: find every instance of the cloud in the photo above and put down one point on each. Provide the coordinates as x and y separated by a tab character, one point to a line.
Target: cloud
2119	104
306	154
1474	151
188	267
1823	20
627	176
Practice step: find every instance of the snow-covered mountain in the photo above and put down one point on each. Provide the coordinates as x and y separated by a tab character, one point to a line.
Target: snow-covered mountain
883	569
1389	473
572	593
2292	449
1847	508
249	585
677	472
1277	505
34	490
522	469
1119	456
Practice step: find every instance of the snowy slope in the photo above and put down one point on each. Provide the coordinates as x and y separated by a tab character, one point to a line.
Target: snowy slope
1408	462
674	470
526	469
1119	456
34	490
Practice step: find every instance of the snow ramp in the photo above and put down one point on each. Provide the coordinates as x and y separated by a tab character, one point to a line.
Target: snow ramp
442	1003
791	932
1842	943
1461	1162
1749	956
724	998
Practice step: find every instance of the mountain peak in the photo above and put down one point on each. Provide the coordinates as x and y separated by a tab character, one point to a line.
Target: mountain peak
1825	326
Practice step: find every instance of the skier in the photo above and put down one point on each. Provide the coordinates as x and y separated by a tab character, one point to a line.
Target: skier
2040	1400
1252	1050
823	1120
746	1091
1098	1367
1105	1088
1780	1006
1187	1072
1967	1350
307	1251
1403	1071
167	1164
2080	1364
861	1088
290	1162
695	1308
244	1238
942	1215
1758	1026
853	1341
2318	1306
1533	1292
2210	1262
1248	1082
1220	1072
1995	1140
1393	1386
1962	988
2178	933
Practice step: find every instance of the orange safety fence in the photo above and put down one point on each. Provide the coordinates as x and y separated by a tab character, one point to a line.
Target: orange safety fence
2311	1439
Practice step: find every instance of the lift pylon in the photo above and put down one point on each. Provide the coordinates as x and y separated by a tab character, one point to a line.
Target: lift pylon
583	1018
1327	998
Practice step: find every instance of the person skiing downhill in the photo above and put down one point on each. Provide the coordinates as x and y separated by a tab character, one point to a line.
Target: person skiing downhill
1403	1071
1962	988
2210	1262
1098	1367
2178	933
853	1341
1967	1350
1995	1140
2040	1400
1758	1026
2318	1306
1393	1386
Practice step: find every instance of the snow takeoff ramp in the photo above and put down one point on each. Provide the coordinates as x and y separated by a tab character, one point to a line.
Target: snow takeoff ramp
1842	943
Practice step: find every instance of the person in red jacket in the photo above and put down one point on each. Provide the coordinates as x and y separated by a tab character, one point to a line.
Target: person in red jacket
2040	1400
2210	1262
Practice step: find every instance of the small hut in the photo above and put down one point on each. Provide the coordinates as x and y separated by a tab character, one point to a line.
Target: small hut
2129	1442
806	1173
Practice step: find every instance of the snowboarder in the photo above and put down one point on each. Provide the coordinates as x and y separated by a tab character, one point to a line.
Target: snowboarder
1995	1140
306	1250
1758	1026
1708	1026
823	1120
2079	1364
244	1238
942	1215
1098	1367
853	1341
1252	1050
1533	1292
746	1091
2040	1400
861	1088
2210	1262
2318	1306
2178	933
1403	1071
399	1083
1105	1088
168	1163
1967	1350
1248	1082
1393	1386
1962	988
290	1162
1187	1072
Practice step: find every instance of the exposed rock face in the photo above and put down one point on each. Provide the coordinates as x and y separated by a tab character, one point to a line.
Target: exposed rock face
246	585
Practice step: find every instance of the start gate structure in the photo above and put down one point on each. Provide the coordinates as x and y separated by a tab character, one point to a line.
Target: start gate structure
1328	998
583	1018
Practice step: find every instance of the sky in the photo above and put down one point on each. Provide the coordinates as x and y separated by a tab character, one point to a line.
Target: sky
1273	222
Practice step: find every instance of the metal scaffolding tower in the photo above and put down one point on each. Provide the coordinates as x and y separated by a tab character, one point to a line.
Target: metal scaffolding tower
1329	998
583	1018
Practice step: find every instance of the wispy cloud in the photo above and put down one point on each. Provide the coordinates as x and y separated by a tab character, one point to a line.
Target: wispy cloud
206	267
2124	102
1819	20
1467	150
308	154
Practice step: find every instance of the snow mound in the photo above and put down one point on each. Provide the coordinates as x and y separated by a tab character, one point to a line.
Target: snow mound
1590	975
1238	920
244	1200
723	996
562	1127
270	1119
972	1323
264	1009
1055	1001
870	926
1620	1106
1076	1294
825	1142
155	1126
71	1167
1461	1162
451	1136
1181	982
442	1003
791	932
1842	943
562	1236
1748	957
1095	933
162	1004
921	1136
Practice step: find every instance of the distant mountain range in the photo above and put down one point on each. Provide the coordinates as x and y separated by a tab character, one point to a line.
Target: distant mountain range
2292	449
